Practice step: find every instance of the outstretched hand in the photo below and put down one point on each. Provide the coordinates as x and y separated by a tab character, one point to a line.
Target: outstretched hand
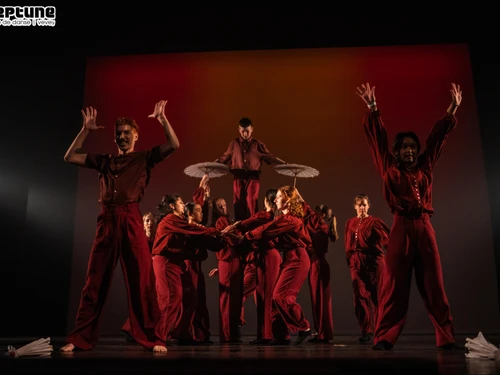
213	272
456	94
366	93
229	228
89	119
159	109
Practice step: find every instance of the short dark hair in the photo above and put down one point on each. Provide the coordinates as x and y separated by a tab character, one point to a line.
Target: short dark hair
245	122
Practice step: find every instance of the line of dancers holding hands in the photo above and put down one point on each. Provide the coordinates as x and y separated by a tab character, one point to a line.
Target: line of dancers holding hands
269	254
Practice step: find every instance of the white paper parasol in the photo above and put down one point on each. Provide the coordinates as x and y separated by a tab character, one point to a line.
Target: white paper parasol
296	170
213	169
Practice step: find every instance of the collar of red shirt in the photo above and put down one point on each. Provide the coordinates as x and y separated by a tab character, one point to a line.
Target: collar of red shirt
245	140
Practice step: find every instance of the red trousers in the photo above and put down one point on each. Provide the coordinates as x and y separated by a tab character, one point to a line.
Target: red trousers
365	269
249	285
119	236
230	298
412	245
245	197
268	269
201	322
127	328
288	316
321	295
177	298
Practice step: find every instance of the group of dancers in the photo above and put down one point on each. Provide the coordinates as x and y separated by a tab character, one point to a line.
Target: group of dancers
268	253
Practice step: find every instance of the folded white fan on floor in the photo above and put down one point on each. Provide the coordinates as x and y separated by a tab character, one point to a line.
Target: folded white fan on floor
480	348
40	347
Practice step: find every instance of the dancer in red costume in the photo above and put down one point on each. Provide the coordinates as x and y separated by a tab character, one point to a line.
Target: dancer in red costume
365	239
290	236
407	187
120	229
319	274
201	321
244	156
177	242
267	261
150	225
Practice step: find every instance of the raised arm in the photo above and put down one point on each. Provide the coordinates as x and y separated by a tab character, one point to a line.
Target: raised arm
202	192
75	155
375	130
172	144
201	196
456	99
442	128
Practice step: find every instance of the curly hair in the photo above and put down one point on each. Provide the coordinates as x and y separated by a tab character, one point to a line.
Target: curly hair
295	206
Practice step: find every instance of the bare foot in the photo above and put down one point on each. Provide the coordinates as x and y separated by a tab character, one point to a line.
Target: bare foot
67	348
160	349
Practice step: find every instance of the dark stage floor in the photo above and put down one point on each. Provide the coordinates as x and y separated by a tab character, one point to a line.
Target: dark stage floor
413	354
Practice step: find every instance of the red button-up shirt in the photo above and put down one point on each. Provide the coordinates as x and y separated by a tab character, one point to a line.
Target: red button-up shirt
123	178
400	187
247	155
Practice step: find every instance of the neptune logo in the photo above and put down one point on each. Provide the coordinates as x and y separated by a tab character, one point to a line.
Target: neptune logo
27	16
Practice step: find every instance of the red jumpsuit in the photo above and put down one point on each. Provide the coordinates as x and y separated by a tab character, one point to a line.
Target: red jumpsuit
319	275
244	158
177	241
268	262
120	237
230	287
289	236
412	241
365	240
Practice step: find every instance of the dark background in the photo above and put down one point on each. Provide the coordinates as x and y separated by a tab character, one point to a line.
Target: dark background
43	76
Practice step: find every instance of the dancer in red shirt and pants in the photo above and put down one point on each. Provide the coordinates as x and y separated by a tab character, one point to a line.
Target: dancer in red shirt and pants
365	239
244	155
407	187
120	230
